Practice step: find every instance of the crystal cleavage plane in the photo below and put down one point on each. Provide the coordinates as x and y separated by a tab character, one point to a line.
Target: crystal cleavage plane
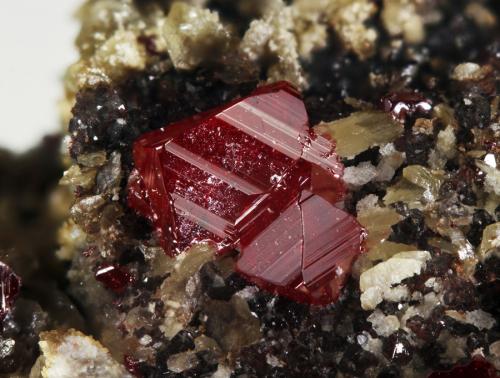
251	175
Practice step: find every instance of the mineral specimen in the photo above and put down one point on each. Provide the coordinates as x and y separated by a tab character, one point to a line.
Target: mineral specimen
70	353
251	175
409	91
113	277
10	284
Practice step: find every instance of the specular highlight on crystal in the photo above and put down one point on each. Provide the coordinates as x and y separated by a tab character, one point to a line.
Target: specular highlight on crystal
251	175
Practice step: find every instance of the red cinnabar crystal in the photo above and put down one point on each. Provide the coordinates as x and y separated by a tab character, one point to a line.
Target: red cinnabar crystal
251	175
10	284
403	104
114	277
132	365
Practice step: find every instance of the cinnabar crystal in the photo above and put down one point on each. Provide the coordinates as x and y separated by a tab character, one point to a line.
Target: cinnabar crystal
306	253
10	285
114	277
251	175
132	365
403	104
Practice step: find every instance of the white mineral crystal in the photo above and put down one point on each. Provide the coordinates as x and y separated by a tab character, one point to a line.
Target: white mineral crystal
371	297
424	309
400	17
478	318
273	35
446	142
490	160
467	71
222	371
481	319
359	175
383	325
492	179
490	240
310	25
430	282
397	293
349	18
182	361
192	34
371	344
376	283
390	161
274	361
145	340
446	148
394	270
366	203
71	354
120	52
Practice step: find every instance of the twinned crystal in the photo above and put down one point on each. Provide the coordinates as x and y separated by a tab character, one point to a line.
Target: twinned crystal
252	176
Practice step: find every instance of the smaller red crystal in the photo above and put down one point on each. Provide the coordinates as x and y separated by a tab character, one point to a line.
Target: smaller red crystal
251	175
403	104
132	365
477	368
114	277
10	285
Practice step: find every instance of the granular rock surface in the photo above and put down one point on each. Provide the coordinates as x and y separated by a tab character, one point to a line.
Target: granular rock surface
408	90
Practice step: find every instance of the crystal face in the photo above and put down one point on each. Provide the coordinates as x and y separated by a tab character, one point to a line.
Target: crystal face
251	175
306	253
114	277
403	104
10	284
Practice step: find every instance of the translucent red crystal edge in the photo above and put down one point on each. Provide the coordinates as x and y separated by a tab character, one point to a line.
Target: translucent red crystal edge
9	291
132	365
317	279
114	277
306	274
159	212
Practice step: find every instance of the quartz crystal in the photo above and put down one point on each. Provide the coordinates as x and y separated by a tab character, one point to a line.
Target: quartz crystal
10	284
252	175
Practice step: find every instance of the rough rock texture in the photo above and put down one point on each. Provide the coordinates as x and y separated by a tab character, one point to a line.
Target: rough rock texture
32	297
410	91
70	353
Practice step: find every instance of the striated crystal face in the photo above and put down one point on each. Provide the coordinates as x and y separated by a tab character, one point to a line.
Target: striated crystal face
251	175
306	253
10	284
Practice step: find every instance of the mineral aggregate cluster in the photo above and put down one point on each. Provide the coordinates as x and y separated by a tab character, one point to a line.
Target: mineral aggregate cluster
210	218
